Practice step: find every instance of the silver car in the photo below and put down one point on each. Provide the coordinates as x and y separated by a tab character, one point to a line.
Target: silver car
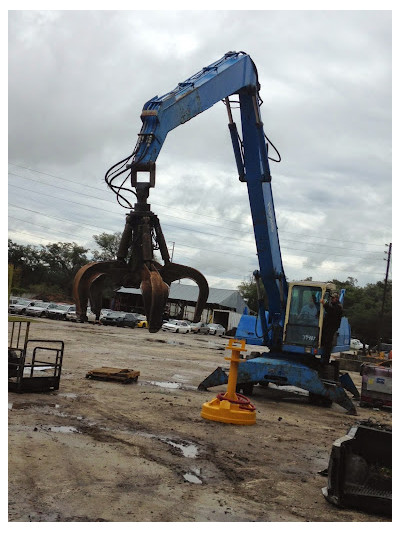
178	326
216	329
71	316
195	328
39	309
19	305
59	311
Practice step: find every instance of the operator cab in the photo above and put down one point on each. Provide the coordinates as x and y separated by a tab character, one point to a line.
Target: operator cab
304	316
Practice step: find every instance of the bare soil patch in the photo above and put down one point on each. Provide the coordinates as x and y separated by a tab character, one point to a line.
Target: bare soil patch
99	451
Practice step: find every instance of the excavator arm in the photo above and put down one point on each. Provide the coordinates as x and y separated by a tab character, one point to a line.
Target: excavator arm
233	74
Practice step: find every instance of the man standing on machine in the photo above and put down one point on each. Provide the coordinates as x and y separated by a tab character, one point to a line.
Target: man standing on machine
332	318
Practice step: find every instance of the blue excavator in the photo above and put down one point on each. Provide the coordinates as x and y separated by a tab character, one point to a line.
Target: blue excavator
289	341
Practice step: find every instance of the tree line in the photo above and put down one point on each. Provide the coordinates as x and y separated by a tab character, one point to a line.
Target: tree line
48	271
362	307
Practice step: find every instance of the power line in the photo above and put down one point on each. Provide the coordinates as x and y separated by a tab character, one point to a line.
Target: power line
44	227
179	227
246	256
55	218
290	249
222	269
190	229
161	205
197	249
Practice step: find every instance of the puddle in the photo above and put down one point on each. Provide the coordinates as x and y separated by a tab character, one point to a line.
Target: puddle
31	405
192	477
166	384
28	370
187	449
289	388
175	342
63	429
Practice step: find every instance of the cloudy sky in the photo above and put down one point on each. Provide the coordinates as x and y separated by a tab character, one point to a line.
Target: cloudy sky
78	81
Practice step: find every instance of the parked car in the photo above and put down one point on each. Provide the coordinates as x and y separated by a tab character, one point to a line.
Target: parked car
60	311
128	320
19	305
195	327
384	347
356	344
216	329
141	321
39	308
71	315
110	319
177	326
204	329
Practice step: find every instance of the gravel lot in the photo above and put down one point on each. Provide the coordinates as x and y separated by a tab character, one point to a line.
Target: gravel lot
110	452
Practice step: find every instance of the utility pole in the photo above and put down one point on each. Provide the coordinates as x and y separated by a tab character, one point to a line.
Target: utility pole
172	253
389	253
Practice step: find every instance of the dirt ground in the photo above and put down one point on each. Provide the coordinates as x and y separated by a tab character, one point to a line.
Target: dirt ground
98	451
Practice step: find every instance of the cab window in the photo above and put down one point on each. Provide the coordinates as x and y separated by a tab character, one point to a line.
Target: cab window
302	325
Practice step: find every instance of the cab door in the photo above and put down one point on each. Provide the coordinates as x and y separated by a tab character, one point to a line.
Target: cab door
304	317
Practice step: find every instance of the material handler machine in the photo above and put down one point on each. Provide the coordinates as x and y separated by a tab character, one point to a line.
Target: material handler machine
292	341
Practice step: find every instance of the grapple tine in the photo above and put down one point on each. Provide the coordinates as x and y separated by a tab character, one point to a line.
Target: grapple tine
87	277
95	293
173	271
155	294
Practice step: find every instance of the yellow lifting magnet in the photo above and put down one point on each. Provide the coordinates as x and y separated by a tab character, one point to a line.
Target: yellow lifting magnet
231	407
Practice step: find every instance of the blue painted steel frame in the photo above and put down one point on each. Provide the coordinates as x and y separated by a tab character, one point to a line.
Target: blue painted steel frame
201	91
286	372
235	73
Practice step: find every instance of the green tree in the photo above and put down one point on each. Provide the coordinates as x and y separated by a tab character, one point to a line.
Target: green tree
28	267
108	243
364	311
248	291
52	266
63	260
362	307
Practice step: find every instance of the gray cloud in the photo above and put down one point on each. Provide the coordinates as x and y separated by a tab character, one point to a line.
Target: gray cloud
77	84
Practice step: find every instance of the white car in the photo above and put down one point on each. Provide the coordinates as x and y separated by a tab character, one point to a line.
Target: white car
39	308
19	305
60	311
177	326
216	329
71	316
195	327
356	344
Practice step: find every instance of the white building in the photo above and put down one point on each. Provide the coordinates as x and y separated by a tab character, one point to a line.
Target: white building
224	306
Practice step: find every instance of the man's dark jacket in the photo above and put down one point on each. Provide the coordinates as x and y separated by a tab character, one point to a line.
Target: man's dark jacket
333	316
